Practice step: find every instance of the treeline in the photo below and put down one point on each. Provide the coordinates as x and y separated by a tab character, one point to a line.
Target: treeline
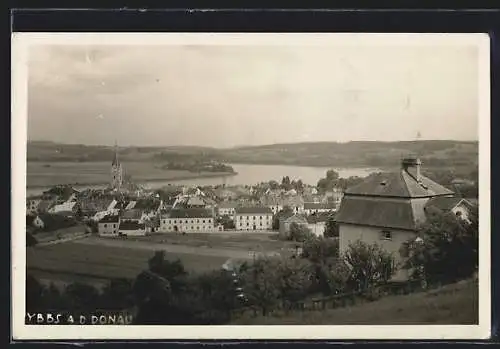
446	250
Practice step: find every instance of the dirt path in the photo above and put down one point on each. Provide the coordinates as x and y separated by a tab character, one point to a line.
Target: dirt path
204	251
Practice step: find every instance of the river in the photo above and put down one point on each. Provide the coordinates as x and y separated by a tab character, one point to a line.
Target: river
246	175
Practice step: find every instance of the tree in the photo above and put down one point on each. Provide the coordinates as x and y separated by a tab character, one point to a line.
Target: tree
118	294
320	250
173	272
294	279
261	284
332	175
82	297
274	185
299	232
446	249
369	265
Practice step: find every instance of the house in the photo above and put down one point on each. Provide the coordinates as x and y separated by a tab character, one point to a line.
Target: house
316	223
188	220
286	223
386	208
108	226
334	196
253	218
51	222
131	229
226	209
318	207
458	206
225	194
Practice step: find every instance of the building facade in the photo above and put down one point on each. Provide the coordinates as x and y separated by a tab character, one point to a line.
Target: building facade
108	226
190	220
253	218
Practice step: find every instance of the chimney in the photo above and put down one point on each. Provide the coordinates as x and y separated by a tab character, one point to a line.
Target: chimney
412	166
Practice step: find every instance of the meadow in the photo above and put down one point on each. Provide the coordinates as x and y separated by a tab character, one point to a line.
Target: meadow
74	261
96	260
43	174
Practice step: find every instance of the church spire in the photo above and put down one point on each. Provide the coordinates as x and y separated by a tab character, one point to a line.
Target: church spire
115	159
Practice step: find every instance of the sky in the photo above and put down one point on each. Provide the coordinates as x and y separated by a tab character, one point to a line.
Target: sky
225	96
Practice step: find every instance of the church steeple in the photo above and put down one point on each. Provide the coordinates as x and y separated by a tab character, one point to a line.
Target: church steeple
115	158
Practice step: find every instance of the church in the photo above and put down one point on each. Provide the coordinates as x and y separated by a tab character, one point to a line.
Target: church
116	172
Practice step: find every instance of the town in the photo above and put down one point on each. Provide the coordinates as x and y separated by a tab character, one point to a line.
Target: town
385	209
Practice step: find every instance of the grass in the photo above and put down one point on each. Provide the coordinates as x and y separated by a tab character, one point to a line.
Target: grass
455	304
42	174
239	241
72	261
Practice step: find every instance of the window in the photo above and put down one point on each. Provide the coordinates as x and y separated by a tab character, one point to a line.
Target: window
197	221
165	222
247	224
261	224
386	235
209	221
175	221
260	217
203	221
254	217
105	225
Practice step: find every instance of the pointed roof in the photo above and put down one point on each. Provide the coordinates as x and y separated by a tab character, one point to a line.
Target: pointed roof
115	158
398	184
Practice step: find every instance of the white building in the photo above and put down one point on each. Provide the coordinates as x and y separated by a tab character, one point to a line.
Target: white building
189	220
253	218
108	226
32	204
67	206
226	209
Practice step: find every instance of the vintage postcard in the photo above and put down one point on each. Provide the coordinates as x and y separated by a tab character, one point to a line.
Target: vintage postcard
250	186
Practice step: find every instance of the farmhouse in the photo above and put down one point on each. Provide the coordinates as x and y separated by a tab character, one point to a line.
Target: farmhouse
387	208
459	206
253	218
188	220
108	226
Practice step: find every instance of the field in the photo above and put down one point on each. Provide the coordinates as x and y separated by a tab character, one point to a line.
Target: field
455	304
42	174
96	260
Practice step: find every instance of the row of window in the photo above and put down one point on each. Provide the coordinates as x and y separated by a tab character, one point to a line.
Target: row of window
105	225
254	217
173	228
187	221
248	224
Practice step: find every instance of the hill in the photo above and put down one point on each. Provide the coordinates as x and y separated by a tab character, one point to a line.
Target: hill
455	304
446	153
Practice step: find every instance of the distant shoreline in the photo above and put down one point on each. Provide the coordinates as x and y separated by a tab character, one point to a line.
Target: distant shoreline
142	182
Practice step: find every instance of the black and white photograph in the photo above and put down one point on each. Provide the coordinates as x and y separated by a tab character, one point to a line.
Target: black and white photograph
257	186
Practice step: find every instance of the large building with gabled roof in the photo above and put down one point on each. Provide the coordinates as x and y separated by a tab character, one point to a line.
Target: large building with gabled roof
387	209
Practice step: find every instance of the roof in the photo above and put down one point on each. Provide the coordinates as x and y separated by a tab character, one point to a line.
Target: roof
131	226
318	218
318	206
147	204
110	219
227	205
398	184
254	210
132	214
384	213
190	213
444	203
195	201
